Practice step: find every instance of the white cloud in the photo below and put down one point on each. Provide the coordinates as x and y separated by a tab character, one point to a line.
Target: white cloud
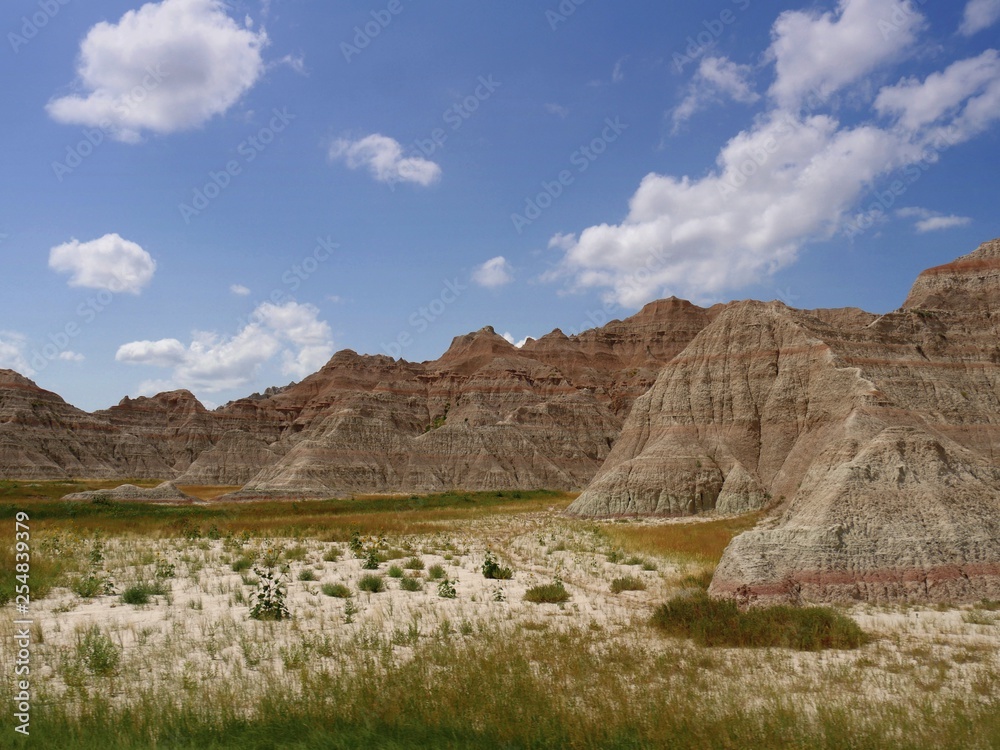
618	74
936	223
239	290
920	103
109	262
511	340
13	354
819	53
979	15
383	156
557	109
212	362
493	273
717	78
71	356
790	177
165	67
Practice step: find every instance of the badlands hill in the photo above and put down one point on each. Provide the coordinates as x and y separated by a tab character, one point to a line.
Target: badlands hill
874	441
484	416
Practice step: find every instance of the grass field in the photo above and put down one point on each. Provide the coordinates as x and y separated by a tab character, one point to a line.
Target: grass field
395	637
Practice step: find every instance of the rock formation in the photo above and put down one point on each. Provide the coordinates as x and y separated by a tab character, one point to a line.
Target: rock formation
166	492
486	415
875	439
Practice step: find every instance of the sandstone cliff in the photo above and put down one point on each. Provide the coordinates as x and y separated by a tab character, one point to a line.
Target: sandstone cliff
876	439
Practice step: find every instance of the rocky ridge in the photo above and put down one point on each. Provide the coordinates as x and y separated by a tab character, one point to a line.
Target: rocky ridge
874	440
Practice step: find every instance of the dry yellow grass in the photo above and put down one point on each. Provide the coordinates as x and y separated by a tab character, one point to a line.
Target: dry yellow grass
701	542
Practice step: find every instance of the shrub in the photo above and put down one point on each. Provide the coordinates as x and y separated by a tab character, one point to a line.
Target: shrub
88	586
446	589
627	583
331	555
337	590
435	572
394	571
307	574
714	622
414	563
548	593
372	583
242	563
371	560
411	584
492	569
97	652
140	593
268	598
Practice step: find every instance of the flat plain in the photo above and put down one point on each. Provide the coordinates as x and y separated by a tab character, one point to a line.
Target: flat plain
387	632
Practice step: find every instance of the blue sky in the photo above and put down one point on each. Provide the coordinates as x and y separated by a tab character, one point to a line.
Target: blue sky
218	196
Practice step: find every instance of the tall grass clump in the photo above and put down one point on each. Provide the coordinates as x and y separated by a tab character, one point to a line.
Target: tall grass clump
547	593
719	622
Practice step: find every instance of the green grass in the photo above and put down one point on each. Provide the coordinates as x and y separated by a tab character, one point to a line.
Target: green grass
436	572
547	593
307	574
411	584
394	571
548	693
414	563
715	622
371	583
337	590
627	583
141	593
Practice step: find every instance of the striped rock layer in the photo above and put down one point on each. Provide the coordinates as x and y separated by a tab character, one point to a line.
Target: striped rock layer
873	443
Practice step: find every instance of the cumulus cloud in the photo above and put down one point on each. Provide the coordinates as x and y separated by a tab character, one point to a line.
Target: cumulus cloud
972	85
212	362
383	156
166	67
717	79
71	356
794	175
979	15
511	340
109	262
493	273
818	53
239	290
13	353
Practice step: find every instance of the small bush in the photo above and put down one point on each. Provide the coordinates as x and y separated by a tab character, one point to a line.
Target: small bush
494	571
331	555
627	583
337	590
139	593
97	652
446	589
371	583
88	586
297	553
411	584
435	572
242	563
307	574
268	599
635	560
547	593
714	622
414	563
372	560
394	571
